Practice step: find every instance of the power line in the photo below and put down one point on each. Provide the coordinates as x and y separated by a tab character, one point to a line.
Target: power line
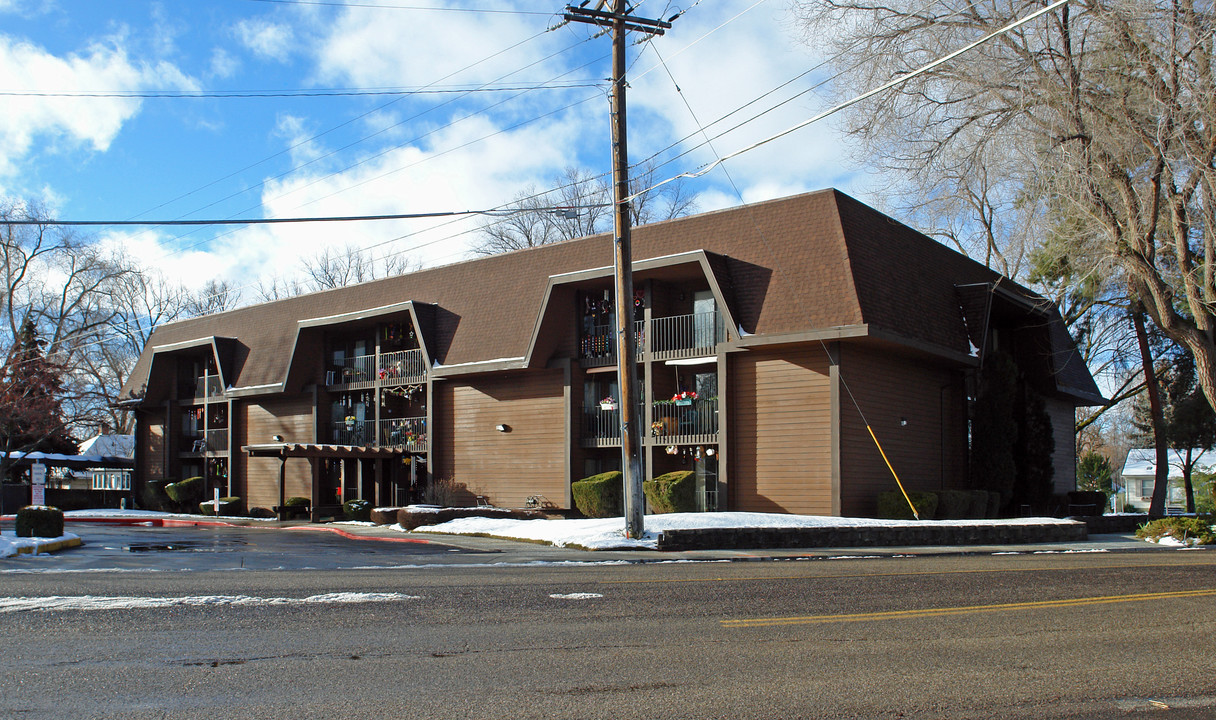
241	94
374	6
274	221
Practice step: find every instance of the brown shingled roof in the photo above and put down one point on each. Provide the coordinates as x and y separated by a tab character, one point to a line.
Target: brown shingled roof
797	264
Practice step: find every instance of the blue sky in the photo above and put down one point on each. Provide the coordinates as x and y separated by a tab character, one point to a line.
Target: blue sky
129	157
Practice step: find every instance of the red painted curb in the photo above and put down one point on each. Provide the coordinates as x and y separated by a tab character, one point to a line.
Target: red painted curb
353	536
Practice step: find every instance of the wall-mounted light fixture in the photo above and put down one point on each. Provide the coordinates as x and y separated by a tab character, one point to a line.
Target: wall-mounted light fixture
277	438
903	422
503	428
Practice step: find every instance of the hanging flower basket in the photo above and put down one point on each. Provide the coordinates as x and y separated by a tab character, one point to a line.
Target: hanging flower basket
684	398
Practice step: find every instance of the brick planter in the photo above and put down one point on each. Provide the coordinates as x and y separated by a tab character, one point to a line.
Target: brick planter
894	536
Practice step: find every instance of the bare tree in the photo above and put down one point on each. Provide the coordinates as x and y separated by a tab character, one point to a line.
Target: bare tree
1097	116
581	205
336	267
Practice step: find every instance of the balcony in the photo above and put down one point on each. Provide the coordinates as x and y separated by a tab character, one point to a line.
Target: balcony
194	441
693	424
598	347
408	433
206	387
359	433
355	372
685	336
398	368
679	336
217	440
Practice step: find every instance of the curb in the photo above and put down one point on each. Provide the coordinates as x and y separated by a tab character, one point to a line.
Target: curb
50	547
357	536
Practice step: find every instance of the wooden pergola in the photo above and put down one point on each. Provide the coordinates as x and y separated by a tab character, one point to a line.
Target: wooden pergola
315	453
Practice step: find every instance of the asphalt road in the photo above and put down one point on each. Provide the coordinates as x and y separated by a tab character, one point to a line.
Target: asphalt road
1020	636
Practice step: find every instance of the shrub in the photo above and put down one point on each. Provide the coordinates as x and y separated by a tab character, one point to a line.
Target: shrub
892	505
228	506
952	504
979	504
673	492
39	521
447	492
152	495
1096	498
297	501
186	492
600	496
357	510
1187	530
994	504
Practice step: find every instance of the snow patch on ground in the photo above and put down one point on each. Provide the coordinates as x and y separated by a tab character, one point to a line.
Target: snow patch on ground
97	602
609	533
10	544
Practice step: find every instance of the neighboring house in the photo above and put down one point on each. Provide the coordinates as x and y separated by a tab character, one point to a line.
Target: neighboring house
1139	476
779	316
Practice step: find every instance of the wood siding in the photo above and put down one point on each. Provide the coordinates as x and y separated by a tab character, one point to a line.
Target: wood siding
781	431
928	453
506	467
1064	460
152	446
256	423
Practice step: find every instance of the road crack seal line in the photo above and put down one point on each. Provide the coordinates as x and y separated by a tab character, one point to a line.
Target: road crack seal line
98	602
966	610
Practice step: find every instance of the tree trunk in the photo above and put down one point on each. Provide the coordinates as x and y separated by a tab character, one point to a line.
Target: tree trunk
1161	476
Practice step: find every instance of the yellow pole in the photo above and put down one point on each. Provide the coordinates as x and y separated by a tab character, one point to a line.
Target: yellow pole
893	474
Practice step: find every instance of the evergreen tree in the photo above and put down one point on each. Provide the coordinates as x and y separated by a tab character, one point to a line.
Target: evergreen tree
994	430
1035	481
1094	473
31	416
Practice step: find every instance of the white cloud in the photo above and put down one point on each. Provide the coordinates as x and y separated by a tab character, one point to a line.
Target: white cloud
71	122
416	48
266	39
223	64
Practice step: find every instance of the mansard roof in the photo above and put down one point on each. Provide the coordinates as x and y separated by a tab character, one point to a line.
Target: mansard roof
820	262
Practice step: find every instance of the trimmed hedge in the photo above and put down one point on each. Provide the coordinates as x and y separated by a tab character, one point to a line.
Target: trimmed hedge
953	505
152	495
357	510
228	506
297	501
600	496
672	493
186	492
979	504
39	521
893	506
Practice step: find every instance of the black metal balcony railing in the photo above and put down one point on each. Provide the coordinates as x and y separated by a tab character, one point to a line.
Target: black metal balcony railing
217	440
409	432
601	426
680	336
685	424
403	366
353	370
358	433
686	335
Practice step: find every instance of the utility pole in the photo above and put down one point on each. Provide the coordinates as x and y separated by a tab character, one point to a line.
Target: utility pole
620	22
